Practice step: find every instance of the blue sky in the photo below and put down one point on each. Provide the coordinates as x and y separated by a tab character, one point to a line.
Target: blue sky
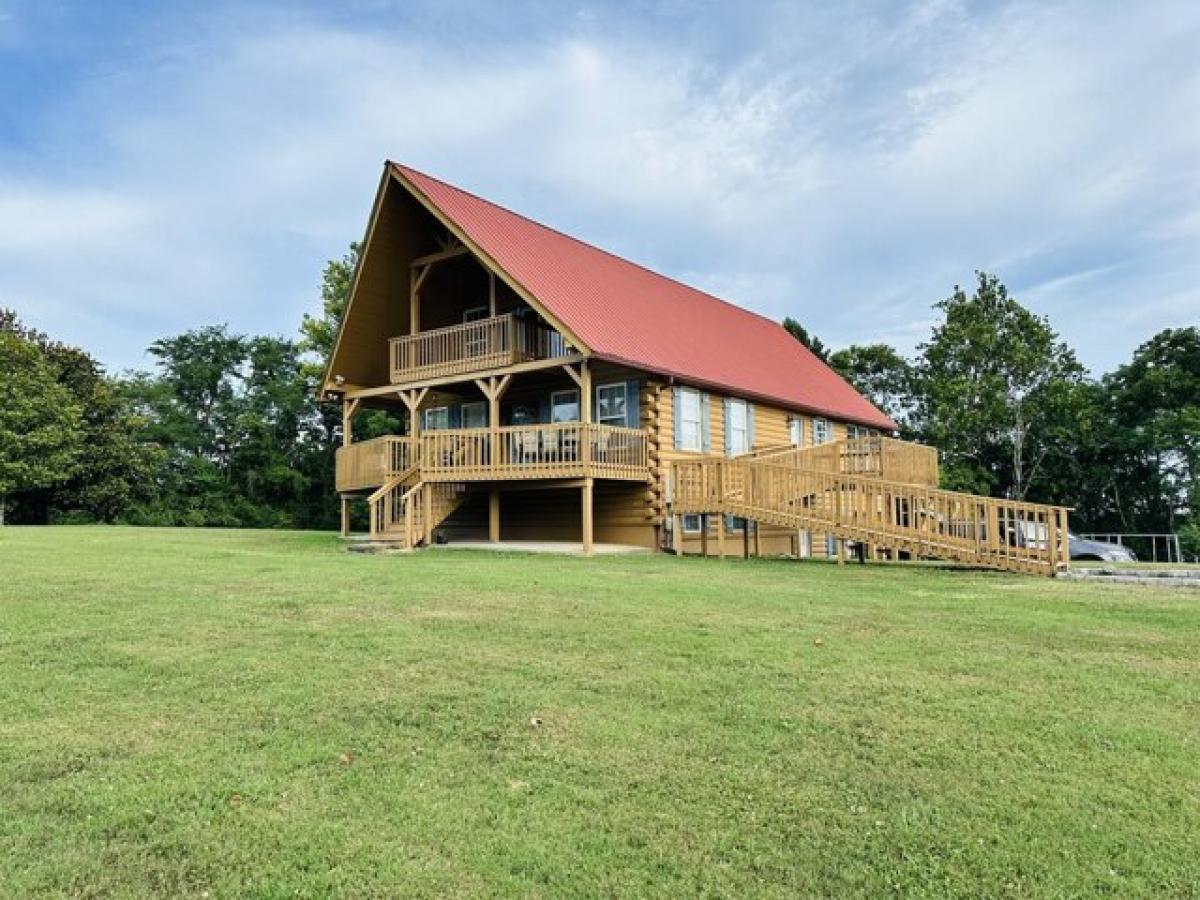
169	165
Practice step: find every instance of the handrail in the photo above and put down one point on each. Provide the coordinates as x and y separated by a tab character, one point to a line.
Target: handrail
366	464
875	455
921	520
536	451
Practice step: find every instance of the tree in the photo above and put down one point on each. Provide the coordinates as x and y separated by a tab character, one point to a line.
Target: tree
800	333
39	421
881	375
1155	407
999	392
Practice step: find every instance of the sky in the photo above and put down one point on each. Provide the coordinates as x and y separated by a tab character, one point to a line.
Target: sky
169	166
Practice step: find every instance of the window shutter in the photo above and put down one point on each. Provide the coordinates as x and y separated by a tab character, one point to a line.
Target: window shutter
706	422
454	417
633	405
675	405
749	425
728	405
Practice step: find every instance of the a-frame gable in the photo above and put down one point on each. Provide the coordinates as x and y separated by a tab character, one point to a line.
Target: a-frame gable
378	307
488	262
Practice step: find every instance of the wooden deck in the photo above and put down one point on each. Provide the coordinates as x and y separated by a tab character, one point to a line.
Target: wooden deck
490	343
922	521
564	450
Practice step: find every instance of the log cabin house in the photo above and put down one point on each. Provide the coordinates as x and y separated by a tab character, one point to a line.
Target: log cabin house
552	391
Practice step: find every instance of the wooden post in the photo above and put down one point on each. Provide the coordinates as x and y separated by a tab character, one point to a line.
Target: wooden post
704	535
677	534
587	517
585	413
721	535
841	551
494	515
491	293
349	408
745	538
345	517
758	539
427	496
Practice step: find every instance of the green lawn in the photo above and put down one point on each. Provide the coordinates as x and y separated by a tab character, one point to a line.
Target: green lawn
226	714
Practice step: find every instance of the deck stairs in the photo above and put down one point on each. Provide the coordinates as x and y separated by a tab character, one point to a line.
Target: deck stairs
406	510
840	489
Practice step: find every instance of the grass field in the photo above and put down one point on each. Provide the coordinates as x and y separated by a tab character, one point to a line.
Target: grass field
263	714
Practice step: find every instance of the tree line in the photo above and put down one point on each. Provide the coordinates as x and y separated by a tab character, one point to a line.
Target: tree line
226	429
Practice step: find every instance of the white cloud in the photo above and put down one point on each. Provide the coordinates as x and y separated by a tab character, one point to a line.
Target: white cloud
844	167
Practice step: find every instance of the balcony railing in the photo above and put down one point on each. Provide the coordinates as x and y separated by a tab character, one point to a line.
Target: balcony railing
484	344
368	464
564	450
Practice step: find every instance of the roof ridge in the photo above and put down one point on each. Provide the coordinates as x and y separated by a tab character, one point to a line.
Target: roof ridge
590	246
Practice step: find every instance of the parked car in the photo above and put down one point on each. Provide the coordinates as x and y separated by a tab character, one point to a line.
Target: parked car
1100	551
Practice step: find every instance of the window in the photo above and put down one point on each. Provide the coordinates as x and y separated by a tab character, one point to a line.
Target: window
436	418
610	404
474	415
564	406
690	435
475	313
738	439
735	524
796	431
822	431
691	524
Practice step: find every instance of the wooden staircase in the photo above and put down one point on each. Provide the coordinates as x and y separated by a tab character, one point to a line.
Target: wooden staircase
789	490
405	511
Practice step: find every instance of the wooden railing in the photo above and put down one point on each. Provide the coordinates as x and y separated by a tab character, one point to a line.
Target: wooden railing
876	456
369	464
483	344
407	514
566	449
922	521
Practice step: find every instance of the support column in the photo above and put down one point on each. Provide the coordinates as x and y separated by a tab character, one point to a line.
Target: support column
841	551
677	534
345	517
704	535
745	538
758	539
587	516
721	535
494	515
349	408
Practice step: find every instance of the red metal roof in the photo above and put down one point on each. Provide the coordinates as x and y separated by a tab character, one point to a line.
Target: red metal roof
627	314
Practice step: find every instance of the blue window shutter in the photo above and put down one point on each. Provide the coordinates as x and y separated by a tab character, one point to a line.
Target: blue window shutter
633	402
749	425
728	405
706	422
675	405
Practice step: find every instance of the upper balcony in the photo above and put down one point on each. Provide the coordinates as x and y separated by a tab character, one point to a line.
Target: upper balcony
490	343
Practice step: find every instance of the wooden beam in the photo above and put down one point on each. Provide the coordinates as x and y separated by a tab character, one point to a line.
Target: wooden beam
704	535
491	293
440	256
345	518
721	536
494	515
531	366
575	376
588	547
349	408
